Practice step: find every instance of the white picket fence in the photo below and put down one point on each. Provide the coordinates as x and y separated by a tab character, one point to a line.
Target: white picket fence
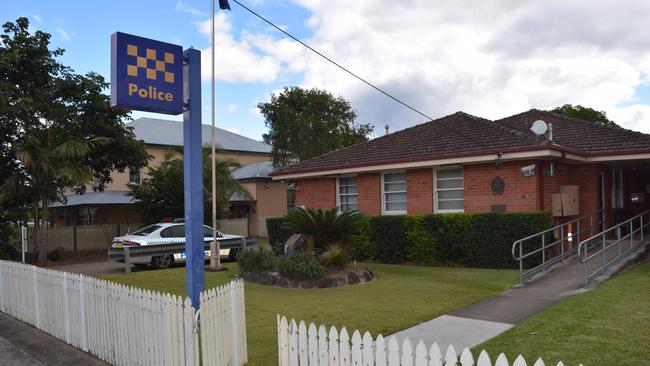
223	325
302	345
120	325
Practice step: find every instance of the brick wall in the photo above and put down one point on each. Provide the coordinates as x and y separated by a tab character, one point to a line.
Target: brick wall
316	193
419	188
521	193
369	198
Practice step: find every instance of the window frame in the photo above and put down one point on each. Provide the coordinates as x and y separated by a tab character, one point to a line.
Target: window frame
338	191
384	211
436	201
139	180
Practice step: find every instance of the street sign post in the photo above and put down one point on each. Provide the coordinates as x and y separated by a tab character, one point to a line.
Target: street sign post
154	76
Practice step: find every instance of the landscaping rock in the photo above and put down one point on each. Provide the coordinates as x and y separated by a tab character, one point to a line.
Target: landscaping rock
353	278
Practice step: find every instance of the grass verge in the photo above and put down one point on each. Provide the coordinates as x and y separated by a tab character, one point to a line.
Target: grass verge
400	297
607	326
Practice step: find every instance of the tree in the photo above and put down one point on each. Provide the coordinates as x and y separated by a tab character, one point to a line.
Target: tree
58	132
304	123
162	193
585	113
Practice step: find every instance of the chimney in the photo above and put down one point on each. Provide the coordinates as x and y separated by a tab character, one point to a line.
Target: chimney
386	127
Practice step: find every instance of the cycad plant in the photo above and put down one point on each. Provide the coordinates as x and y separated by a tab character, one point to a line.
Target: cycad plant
325	227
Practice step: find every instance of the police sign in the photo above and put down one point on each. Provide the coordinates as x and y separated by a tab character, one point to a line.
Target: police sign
146	75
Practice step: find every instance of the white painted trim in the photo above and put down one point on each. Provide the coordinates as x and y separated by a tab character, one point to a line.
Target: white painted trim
618	157
383	196
423	164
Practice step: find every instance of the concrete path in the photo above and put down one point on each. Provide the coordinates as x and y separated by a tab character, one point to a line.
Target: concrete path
21	344
96	268
484	320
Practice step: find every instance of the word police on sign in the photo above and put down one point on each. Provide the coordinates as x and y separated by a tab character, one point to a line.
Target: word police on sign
146	74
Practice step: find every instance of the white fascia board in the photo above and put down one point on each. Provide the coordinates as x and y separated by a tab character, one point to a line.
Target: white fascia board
424	164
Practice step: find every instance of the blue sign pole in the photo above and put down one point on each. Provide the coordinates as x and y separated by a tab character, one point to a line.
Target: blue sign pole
193	164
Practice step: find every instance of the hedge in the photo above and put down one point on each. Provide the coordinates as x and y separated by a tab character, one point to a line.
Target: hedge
469	239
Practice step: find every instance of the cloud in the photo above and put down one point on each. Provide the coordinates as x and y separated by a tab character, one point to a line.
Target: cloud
37	18
251	58
492	59
231	108
188	9
65	35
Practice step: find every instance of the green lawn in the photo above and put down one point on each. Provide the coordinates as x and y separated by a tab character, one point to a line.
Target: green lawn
607	326
400	297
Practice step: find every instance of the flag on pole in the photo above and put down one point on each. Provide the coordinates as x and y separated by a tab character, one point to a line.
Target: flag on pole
223	4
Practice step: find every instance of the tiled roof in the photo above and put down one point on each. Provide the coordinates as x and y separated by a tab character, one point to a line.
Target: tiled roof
464	134
170	133
584	136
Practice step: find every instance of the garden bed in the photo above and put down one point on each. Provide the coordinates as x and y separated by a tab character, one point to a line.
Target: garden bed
334	278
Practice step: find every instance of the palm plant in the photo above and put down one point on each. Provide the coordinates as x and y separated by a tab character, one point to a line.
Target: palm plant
325	227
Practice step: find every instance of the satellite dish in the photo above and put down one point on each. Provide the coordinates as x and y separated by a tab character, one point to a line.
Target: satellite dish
539	127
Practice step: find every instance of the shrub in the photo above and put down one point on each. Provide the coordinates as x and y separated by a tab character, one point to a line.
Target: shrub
278	235
9	252
301	266
257	260
335	256
361	247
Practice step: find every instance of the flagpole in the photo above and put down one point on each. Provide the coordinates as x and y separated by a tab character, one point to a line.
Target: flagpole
215	250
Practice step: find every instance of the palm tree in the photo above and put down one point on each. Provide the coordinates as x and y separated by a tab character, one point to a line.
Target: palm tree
51	165
325	227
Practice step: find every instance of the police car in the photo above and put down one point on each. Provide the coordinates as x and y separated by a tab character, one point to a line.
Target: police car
167	233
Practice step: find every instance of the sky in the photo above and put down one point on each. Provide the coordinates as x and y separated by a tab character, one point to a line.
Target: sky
488	58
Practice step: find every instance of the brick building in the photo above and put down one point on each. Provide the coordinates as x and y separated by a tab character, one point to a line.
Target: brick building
450	165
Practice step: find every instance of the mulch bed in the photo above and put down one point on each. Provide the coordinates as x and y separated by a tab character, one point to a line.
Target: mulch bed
340	277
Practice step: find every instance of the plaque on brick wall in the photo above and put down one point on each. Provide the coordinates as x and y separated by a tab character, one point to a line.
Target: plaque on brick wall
498	186
498	208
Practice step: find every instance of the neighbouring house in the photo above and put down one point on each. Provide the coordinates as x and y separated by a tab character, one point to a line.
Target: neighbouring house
114	205
449	165
268	197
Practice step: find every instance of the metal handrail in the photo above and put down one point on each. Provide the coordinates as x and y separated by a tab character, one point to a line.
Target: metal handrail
518	255
583	247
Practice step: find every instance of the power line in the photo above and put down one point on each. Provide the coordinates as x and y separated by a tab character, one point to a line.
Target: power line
499	154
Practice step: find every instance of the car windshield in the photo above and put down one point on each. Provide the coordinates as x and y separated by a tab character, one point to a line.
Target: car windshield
146	230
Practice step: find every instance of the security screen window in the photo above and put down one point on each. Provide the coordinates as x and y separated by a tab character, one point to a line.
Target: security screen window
347	194
394	193
449	194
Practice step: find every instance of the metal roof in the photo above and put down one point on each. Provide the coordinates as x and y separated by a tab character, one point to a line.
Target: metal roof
96	198
259	170
170	133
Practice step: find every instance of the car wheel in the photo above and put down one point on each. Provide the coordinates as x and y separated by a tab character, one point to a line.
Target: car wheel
162	261
232	255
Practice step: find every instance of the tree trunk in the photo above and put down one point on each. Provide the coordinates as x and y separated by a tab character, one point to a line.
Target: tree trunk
42	237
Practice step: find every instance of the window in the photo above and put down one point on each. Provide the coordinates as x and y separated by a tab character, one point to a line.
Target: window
393	186
134	176
448	189
346	198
